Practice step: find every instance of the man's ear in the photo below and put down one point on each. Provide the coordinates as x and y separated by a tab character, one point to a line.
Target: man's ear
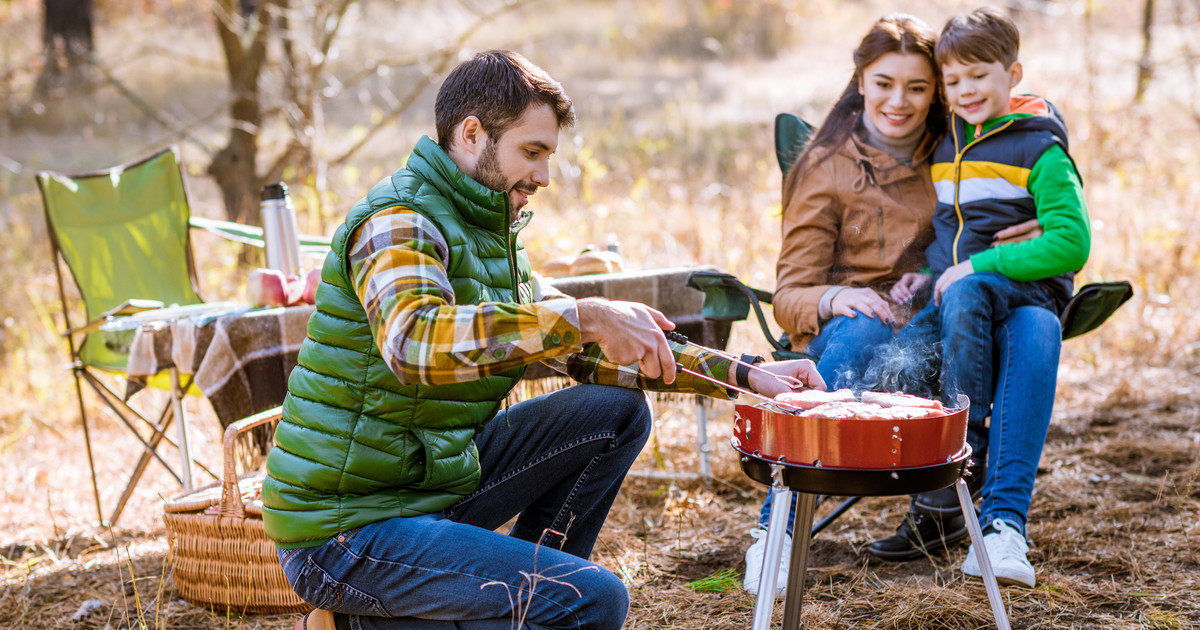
1016	73
468	143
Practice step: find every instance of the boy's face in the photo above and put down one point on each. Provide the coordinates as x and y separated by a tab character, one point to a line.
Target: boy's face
979	91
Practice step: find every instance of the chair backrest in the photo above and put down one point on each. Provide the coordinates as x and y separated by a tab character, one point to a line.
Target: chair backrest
791	134
123	233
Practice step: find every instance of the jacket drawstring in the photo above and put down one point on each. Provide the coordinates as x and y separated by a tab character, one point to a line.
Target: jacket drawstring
865	176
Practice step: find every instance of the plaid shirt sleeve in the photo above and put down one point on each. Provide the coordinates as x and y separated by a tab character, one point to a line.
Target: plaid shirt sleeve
398	260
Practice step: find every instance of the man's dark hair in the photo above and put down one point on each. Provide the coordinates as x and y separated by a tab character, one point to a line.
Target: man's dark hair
497	87
984	35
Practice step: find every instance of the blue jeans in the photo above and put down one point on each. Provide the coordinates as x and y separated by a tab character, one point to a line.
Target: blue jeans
1027	346
963	324
843	348
555	462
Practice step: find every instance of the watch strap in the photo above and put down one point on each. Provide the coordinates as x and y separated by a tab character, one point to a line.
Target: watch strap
741	373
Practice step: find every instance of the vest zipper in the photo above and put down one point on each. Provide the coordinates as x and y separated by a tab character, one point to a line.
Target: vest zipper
958	158
522	220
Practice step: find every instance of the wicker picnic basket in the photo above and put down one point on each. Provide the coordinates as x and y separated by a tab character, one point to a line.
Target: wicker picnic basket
221	556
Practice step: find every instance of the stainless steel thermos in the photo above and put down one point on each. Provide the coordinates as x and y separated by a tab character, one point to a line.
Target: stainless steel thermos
280	235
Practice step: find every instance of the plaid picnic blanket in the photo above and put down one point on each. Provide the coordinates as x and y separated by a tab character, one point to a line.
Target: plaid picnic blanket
241	360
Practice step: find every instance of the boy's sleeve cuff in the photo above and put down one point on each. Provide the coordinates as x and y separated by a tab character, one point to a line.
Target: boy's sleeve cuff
986	260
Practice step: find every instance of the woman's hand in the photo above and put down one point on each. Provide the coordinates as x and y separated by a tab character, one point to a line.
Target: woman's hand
953	274
851	302
803	370
1025	231
908	285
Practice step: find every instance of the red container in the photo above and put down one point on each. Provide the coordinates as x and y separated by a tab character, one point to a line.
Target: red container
769	433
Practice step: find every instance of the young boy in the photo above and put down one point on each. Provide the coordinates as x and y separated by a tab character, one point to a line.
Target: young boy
1003	162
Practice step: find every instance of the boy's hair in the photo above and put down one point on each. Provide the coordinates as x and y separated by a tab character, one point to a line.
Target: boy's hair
984	35
497	87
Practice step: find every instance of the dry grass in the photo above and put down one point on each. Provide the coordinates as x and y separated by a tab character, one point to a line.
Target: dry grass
673	155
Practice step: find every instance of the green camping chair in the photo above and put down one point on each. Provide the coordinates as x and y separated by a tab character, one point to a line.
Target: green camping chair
123	234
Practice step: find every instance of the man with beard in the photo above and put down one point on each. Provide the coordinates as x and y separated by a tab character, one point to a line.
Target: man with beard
394	461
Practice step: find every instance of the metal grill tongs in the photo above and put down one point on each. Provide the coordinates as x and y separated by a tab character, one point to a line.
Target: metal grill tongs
791	382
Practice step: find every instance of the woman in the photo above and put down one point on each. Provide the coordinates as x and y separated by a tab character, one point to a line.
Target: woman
857	217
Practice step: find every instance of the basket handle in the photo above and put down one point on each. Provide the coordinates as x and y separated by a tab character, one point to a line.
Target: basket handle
231	495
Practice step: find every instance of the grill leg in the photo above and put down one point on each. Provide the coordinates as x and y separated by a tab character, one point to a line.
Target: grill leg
806	507
781	505
985	564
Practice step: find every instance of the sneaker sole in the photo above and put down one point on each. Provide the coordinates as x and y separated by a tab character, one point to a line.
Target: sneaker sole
1003	580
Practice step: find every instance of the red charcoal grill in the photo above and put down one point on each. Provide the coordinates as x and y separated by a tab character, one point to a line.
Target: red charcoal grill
813	456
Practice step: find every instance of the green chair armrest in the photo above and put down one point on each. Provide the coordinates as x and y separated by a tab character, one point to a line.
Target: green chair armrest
1091	305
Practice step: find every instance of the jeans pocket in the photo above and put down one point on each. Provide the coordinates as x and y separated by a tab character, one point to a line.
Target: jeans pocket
322	590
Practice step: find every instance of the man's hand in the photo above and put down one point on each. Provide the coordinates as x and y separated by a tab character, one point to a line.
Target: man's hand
948	278
908	285
628	333
851	302
803	370
1025	231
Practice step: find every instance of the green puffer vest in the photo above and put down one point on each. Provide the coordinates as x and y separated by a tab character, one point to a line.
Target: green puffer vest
356	445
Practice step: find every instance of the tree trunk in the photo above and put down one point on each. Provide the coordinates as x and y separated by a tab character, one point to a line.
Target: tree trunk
235	167
67	46
1146	63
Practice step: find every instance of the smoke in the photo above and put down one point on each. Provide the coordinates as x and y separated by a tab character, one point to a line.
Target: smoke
906	366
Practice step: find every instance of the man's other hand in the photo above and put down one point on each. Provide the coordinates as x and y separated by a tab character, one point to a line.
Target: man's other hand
802	370
629	333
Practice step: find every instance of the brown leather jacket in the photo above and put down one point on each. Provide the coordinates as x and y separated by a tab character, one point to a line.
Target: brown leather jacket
860	218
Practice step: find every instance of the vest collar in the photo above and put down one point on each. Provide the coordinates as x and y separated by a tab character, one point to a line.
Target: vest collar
477	203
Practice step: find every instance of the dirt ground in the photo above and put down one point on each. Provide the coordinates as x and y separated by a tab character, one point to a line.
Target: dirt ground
1116	543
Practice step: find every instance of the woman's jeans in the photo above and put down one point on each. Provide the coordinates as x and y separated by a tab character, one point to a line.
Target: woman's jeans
555	462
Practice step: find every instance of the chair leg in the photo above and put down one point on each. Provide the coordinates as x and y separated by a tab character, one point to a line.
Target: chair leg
702	444
87	441
185	451
985	564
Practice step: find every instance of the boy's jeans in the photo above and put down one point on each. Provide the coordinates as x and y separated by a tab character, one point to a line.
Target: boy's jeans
965	324
558	461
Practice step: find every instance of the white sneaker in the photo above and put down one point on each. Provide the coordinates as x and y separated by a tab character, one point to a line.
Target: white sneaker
1006	549
754	563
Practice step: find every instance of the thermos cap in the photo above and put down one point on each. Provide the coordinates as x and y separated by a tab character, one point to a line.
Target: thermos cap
277	190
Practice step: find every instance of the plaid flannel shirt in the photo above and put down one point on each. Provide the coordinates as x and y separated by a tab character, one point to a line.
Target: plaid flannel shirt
398	261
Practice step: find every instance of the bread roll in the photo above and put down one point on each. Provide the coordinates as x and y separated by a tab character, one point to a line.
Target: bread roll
559	267
596	262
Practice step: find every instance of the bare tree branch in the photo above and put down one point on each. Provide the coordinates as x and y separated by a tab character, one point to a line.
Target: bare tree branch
448	55
176	127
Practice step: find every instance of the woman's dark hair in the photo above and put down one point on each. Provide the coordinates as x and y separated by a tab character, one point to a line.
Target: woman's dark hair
893	33
496	86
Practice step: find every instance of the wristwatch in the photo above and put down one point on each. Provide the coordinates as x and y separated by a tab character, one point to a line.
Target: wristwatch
741	374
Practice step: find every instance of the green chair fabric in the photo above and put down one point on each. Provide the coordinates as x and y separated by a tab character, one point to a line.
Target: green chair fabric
791	135
123	234
1091	305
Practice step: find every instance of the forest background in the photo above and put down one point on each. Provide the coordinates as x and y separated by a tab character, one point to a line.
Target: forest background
673	158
